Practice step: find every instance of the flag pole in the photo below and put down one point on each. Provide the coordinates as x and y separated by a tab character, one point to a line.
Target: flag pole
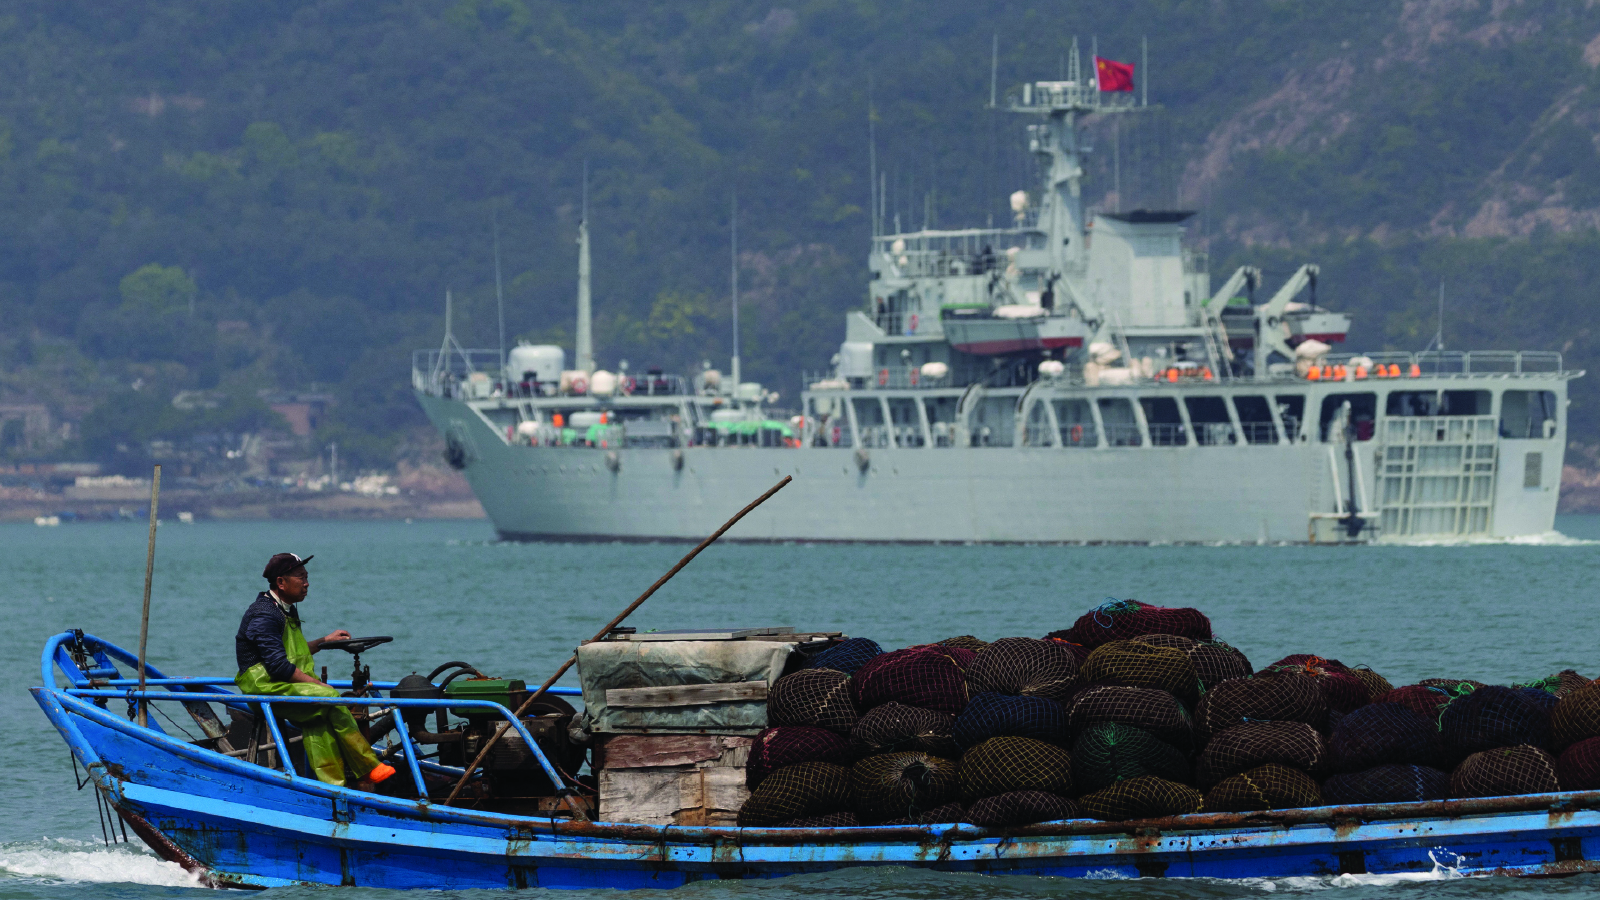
149	571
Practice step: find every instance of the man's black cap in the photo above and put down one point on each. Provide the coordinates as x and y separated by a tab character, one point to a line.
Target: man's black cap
283	564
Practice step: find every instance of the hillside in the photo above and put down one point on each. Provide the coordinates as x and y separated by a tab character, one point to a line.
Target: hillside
229	196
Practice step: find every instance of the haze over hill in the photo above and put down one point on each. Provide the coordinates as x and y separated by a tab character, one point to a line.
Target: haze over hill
230	197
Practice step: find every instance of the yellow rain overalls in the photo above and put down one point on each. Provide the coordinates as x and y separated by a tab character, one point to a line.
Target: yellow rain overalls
332	740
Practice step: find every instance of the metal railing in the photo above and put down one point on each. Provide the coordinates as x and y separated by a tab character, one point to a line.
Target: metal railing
1168	434
1459	362
1259	432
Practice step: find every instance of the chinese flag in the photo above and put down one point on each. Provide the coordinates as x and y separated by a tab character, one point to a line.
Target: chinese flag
1113	75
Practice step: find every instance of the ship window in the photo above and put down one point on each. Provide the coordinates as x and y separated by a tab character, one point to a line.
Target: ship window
1212	424
1122	428
1038	430
906	422
1165	422
993	422
1438	403
1527	414
1363	415
1255	417
870	424
1292	409
941	419
1076	420
1532	468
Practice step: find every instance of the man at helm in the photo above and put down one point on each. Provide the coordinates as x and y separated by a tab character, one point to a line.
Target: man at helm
275	658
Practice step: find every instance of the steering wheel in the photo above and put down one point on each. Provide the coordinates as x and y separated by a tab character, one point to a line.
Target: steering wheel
357	646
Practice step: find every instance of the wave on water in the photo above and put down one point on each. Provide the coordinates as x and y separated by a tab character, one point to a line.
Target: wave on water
67	861
1546	539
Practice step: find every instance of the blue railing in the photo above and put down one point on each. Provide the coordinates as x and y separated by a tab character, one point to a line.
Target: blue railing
193	690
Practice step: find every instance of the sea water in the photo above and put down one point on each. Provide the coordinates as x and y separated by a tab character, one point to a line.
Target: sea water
450	591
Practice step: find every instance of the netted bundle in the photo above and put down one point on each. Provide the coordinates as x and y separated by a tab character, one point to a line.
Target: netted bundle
1157	712
1568	681
902	785
940	815
965	642
1003	764
1264	787
847	656
817	697
1381	734
1578	767
789	745
1138	664
1026	667
1079	652
1376	684
1505	772
1110	752
1214	661
895	726
807	789
1491	717
1117	620
1387	784
929	676
1340	688
1146	797
1021	808
1243	747
1576	717
991	715
1266	699
846	819
1419	698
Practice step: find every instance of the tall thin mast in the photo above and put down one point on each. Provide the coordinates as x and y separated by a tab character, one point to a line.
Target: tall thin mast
733	234
585	361
499	296
872	157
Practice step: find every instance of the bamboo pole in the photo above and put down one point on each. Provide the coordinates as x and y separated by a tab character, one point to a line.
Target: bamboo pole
149	572
571	661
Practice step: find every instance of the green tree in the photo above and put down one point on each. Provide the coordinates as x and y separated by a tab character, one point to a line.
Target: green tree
156	289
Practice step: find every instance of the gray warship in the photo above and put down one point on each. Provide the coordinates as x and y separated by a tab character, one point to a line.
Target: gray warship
1072	377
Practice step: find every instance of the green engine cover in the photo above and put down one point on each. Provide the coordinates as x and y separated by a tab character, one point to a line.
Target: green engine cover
508	692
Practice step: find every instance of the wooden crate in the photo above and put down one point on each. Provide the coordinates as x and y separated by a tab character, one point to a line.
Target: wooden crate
672	779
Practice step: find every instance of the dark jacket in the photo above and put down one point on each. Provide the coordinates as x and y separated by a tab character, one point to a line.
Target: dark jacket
260	638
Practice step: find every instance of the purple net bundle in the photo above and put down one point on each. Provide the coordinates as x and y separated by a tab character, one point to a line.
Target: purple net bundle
1004	764
1026	667
1382	734
1491	717
817	697
1270	786
996	715
1341	689
793	792
902	785
1578	768
1138	664
1146	797
1387	784
895	726
1021	808
789	745
1505	772
1157	712
1262	699
930	677
1244	747
1117	620
846	656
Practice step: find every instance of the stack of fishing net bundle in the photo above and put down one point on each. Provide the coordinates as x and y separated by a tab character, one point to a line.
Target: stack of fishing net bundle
1137	712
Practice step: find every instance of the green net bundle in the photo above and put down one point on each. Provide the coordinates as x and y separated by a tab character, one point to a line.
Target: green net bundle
1110	752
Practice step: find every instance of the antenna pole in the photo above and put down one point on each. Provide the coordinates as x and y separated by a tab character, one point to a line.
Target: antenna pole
872	156
994	67
585	348
733	242
499	296
1438	337
1144	66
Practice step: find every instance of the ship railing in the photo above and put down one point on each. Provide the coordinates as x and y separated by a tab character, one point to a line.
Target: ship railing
1460	362
467	374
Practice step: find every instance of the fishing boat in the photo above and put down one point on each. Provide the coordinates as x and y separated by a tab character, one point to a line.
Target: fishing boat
232	807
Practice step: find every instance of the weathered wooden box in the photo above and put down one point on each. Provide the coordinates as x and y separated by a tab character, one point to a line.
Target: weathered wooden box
671	779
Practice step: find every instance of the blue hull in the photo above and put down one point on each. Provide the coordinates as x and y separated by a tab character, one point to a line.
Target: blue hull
238	824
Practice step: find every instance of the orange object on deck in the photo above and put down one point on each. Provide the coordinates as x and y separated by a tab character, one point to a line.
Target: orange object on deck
557	420
1339	372
1361	373
1172	375
1416	371
1314	374
1205	372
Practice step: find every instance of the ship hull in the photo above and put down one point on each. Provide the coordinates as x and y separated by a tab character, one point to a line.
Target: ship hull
1238	493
